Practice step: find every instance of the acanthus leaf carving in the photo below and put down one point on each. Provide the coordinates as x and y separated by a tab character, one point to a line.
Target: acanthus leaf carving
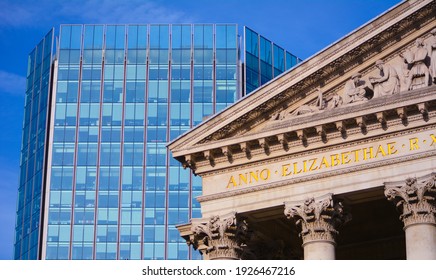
415	199
221	237
318	218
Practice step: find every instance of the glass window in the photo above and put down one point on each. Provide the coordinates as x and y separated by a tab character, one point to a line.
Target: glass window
137	36
265	50
159	36
70	36
231	36
115	36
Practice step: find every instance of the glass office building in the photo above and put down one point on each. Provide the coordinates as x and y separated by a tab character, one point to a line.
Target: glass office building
264	60
33	150
97	181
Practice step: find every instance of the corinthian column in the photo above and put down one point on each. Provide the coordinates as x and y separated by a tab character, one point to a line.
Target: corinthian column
219	237
319	219
415	199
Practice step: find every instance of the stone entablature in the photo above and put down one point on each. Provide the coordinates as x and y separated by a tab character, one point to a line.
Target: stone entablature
321	163
349	123
376	102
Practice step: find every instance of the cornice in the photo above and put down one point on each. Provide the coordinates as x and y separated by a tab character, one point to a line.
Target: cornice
375	118
317	151
405	98
349	111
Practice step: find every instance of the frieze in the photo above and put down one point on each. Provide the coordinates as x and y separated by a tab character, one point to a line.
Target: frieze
354	108
385	103
335	158
327	174
308	153
279	151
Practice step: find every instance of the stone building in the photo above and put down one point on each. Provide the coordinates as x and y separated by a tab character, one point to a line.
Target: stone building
335	159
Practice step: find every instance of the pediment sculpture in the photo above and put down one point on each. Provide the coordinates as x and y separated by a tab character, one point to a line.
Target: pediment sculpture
412	69
320	104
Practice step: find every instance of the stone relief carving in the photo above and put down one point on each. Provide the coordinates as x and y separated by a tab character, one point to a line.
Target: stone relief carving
222	237
354	90
319	218
319	105
412	69
387	83
415	199
418	74
432	53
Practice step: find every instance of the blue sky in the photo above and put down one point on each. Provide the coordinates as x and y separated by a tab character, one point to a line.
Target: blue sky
302	27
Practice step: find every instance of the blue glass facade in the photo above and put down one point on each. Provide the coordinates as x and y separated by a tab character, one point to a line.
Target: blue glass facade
264	60
122	92
33	150
119	94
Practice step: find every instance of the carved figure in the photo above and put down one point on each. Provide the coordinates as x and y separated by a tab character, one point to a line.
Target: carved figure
431	44
334	102
307	109
418	75
354	90
387	83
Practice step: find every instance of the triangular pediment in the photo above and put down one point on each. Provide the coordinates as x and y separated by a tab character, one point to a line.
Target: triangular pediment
339	87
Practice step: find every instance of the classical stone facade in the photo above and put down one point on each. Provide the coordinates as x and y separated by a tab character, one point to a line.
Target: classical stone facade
339	136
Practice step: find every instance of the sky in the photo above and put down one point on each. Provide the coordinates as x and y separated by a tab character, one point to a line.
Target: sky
302	27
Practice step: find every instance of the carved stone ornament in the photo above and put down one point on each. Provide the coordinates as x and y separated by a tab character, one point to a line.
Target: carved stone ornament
220	237
432	54
413	68
415	199
319	218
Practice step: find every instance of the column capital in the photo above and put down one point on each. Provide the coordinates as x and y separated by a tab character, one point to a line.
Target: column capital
220	236
319	218
415	198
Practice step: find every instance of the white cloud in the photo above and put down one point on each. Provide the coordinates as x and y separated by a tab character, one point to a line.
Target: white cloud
114	11
45	12
12	83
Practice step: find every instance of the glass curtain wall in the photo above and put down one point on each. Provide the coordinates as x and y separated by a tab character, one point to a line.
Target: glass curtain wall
180	120
264	60
33	149
61	205
123	92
